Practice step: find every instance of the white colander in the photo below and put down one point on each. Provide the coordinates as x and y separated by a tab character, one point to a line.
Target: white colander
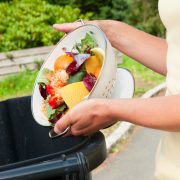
104	84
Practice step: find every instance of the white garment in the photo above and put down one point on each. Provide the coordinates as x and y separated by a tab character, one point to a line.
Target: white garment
168	156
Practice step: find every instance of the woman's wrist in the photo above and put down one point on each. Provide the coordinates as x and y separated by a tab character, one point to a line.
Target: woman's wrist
121	109
109	28
114	109
105	107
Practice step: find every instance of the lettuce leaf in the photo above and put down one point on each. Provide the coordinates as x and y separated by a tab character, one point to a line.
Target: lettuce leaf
52	113
77	77
87	43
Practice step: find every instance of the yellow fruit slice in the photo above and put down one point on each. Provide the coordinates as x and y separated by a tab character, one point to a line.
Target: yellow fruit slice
97	72
73	93
95	62
92	64
99	53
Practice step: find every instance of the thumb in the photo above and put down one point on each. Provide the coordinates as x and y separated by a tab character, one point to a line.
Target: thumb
67	27
62	124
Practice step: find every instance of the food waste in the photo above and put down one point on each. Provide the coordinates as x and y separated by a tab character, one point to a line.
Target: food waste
72	79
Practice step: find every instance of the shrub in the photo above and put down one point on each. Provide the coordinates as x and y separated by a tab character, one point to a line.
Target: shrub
85	6
28	23
113	9
144	15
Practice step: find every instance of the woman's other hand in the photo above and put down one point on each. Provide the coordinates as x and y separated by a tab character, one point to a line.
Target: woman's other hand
87	117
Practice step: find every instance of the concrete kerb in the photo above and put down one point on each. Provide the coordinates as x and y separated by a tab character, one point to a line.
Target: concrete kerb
124	128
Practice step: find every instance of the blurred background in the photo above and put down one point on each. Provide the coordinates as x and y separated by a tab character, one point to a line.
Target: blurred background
28	24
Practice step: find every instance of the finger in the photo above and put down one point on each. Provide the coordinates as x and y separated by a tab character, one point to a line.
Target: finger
62	124
80	126
87	131
67	27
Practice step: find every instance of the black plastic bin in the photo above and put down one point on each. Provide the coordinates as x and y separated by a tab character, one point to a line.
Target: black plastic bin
27	152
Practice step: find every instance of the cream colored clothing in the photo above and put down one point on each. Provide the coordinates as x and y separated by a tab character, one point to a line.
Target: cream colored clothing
168	156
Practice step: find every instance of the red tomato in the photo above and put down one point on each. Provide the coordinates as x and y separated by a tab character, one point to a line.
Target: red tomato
53	102
50	90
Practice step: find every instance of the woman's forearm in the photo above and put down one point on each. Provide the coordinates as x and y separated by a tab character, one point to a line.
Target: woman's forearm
145	48
154	113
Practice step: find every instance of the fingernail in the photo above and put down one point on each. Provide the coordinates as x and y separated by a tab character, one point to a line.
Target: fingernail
55	25
56	130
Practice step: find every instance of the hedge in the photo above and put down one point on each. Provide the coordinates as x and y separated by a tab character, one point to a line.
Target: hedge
28	23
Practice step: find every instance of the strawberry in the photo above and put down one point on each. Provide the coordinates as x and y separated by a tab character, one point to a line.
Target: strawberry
55	98
53	102
50	90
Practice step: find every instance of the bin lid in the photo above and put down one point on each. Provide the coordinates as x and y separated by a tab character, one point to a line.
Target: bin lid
21	138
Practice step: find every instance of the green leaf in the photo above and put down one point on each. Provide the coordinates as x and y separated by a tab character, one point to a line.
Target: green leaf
89	40
54	112
50	111
87	43
77	77
61	108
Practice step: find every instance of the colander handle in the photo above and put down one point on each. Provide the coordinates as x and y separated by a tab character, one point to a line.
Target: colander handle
52	133
81	21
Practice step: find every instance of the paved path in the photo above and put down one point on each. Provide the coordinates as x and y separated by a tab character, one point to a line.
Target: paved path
136	162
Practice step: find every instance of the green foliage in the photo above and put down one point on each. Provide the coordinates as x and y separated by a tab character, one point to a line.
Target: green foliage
85	6
17	85
113	9
142	71
144	15
120	10
28	23
145	78
62	2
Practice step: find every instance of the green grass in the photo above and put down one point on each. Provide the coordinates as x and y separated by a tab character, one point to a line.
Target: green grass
21	84
17	85
145	78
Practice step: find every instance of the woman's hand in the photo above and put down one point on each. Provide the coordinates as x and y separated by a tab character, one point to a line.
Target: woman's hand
103	24
87	117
